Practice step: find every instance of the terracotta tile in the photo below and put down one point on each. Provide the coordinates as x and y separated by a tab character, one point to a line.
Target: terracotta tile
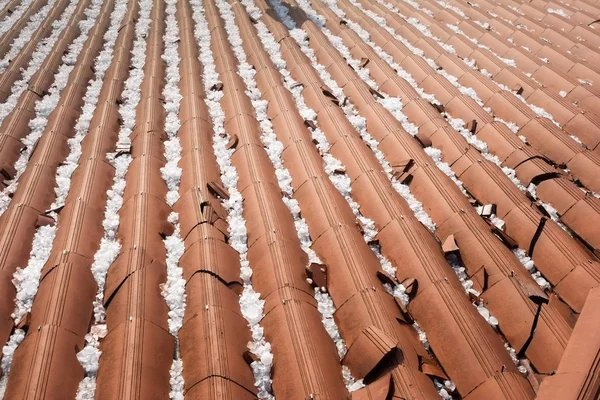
548	328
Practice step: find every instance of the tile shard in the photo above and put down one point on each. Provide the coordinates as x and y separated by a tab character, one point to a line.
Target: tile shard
370	351
380	389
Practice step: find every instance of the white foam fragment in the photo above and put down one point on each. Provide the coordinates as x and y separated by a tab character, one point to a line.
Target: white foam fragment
445	389
109	244
558	11
484	25
173	289
351	384
8	352
562	93
513	355
516	9
251	304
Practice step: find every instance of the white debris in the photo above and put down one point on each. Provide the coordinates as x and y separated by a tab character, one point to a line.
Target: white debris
8	352
484	25
521	255
559	11
445	389
513	355
250	302
562	93
176	380
351	384
515	9
109	245
174	289
585	82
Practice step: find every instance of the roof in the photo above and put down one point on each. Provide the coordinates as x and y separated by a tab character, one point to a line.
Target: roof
287	199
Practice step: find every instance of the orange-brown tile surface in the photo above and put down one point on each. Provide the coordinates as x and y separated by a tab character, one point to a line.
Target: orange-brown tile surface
386	199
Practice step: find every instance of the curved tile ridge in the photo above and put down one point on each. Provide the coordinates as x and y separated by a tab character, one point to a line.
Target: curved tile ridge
101	112
57	310
577	374
29	56
263	39
34	197
8	7
305	360
251	305
513	207
137	352
18	113
21	10
7	41
26	280
456	217
333	167
174	289
426	267
26	33
46	105
388	80
214	334
453	108
24	198
582	129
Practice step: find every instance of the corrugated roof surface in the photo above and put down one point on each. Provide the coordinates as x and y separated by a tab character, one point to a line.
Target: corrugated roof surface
297	199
